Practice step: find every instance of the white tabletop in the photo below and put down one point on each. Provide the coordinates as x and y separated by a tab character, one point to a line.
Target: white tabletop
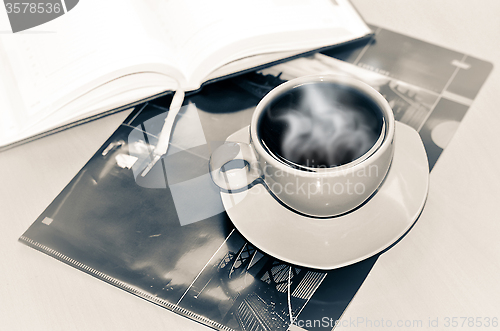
447	266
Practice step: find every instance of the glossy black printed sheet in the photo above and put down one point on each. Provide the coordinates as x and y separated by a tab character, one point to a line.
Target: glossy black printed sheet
166	237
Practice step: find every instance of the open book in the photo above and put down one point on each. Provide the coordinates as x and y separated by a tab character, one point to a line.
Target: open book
107	54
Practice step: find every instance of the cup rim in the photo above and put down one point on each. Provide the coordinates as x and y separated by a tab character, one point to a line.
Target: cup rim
383	143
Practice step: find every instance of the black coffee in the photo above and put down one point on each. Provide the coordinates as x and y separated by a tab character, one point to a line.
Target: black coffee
320	125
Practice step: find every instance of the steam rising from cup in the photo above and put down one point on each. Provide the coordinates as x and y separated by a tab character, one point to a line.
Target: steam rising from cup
327	130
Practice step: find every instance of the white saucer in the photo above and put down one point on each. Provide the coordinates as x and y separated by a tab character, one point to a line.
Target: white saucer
340	241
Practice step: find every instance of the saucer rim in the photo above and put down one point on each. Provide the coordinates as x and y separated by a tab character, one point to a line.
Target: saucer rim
394	239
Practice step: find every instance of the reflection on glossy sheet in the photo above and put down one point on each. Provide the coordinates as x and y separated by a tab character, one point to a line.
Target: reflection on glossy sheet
167	235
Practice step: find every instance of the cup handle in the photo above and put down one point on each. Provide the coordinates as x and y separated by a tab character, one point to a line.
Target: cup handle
234	179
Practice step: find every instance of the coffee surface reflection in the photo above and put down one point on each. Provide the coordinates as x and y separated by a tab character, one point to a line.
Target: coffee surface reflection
320	125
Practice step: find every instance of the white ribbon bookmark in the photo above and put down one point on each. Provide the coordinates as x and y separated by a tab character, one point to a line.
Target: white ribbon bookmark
166	131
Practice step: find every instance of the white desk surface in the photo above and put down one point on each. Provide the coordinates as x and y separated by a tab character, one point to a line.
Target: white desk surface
447	266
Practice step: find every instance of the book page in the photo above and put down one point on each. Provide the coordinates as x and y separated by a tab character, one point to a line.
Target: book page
116	93
96	42
209	34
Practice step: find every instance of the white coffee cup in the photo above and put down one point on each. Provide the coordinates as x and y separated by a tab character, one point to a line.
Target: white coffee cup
313	191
